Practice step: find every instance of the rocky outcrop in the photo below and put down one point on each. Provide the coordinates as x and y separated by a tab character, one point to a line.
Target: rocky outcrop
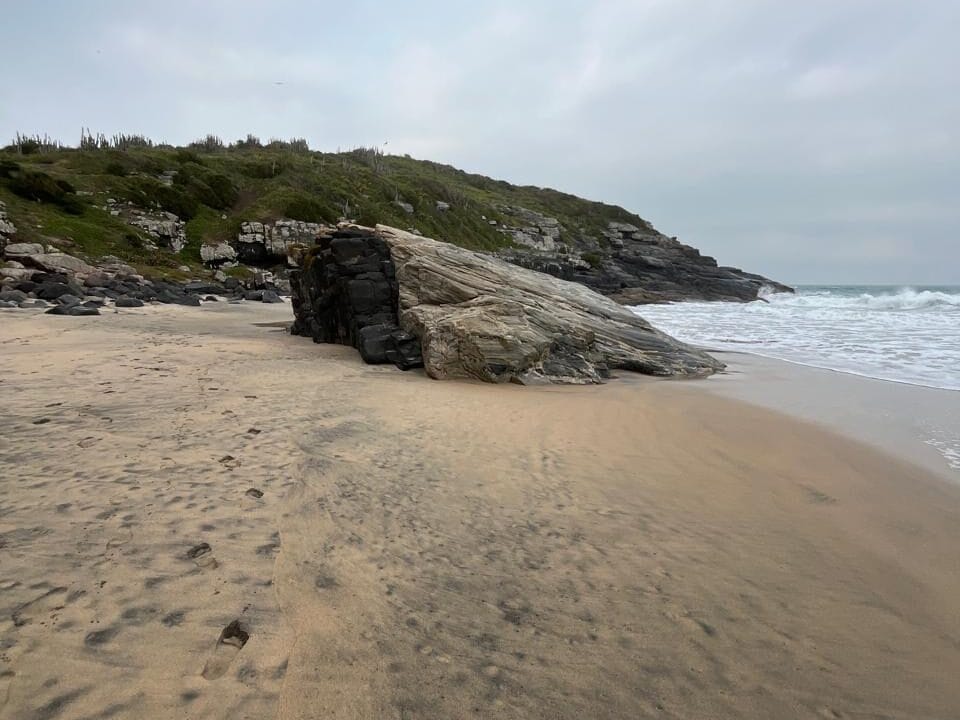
162	229
633	264
7	228
32	278
266	244
346	293
218	255
531	229
473	315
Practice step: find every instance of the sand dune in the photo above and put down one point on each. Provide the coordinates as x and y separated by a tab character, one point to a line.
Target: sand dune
203	517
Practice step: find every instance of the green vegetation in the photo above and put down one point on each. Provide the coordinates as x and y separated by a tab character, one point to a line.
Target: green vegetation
56	194
594	259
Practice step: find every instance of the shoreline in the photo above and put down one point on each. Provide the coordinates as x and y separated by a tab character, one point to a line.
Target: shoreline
394	546
917	423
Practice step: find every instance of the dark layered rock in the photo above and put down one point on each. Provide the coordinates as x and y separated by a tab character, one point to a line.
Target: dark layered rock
636	265
394	295
346	293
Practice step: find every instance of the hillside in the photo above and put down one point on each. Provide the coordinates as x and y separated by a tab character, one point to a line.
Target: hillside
157	207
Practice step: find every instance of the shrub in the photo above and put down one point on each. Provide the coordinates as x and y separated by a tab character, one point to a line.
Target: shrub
8	168
223	189
211	143
309	209
212	189
251	141
149	193
262	169
593	259
43	188
115	168
184	156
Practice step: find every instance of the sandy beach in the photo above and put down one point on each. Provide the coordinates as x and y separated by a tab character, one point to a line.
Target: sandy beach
204	517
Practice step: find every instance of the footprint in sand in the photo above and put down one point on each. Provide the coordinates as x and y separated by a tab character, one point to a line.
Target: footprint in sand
51	600
229	461
231	641
200	554
254	493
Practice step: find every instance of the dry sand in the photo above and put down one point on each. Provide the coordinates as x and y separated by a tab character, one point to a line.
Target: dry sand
441	550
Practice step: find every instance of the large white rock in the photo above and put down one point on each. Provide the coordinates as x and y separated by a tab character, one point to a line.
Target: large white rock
219	253
19	250
477	316
61	263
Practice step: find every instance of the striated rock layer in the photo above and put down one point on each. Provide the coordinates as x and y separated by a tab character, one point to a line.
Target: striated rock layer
633	265
403	298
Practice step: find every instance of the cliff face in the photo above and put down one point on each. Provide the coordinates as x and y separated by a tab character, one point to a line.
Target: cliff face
631	264
410	300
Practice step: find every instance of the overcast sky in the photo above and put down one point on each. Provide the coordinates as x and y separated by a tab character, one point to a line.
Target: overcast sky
814	141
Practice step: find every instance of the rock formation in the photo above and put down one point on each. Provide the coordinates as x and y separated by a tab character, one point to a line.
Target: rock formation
393	294
7	228
264	244
631	264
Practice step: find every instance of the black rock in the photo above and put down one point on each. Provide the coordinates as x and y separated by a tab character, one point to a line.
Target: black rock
128	302
189	300
269	296
253	295
44	277
13	296
202	288
348	294
27	286
211	298
51	290
68	299
73	310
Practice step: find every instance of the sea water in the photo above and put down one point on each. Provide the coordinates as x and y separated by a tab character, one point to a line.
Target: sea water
898	334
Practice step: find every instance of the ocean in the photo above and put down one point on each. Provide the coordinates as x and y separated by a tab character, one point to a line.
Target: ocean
892	333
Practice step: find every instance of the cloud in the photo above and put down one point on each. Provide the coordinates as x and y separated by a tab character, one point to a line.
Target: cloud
787	138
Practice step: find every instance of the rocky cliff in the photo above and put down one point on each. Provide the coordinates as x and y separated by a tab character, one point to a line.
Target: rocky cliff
633	264
402	298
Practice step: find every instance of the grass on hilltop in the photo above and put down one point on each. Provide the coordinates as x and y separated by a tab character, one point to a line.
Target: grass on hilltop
55	194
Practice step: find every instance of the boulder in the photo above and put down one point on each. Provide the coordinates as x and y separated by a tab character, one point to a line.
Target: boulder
269	296
21	250
218	254
199	287
13	296
128	302
386	291
73	310
16	273
52	290
60	263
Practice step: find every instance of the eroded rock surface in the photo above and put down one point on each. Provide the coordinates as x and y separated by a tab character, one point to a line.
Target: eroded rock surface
633	264
473	315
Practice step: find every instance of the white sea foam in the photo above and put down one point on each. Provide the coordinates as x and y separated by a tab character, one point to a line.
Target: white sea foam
907	335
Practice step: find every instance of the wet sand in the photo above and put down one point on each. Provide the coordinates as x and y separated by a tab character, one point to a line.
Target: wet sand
203	517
